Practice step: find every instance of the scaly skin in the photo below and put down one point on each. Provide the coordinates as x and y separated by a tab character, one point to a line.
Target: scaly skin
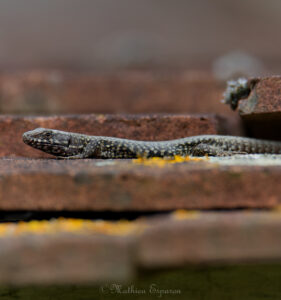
74	145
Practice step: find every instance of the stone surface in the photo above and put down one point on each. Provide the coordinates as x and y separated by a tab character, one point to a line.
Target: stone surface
139	127
76	185
261	111
179	240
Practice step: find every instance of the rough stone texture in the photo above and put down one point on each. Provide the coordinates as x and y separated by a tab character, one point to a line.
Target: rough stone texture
194	238
64	258
261	111
212	237
43	92
123	185
139	127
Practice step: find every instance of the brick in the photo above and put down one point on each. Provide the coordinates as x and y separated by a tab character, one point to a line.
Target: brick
97	185
65	258
177	240
261	111
265	98
139	127
55	92
223	238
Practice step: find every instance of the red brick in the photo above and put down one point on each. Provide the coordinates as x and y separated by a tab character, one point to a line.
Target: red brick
65	258
54	92
265	98
139	127
261	111
125	186
228	237
195	238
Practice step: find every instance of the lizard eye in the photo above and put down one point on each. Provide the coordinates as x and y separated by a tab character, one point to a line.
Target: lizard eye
48	134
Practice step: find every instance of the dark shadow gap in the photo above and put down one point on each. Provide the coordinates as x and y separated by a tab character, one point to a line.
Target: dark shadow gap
16	216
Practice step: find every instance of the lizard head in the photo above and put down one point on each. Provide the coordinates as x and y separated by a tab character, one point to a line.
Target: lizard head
55	142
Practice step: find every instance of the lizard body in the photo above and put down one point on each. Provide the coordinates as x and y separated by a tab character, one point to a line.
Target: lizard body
74	145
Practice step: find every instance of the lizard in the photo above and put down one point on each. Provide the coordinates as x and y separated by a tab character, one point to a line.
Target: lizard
74	145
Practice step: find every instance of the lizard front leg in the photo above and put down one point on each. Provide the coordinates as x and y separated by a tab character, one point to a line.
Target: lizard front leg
91	150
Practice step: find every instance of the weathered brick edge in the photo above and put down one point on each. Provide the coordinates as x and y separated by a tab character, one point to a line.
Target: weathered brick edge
261	111
78	185
139	127
264	99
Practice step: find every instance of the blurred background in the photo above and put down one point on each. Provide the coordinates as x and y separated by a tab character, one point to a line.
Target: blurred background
128	56
109	34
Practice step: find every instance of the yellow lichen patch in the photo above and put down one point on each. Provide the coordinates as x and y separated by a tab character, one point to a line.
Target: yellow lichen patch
160	162
79	226
182	214
277	209
276	212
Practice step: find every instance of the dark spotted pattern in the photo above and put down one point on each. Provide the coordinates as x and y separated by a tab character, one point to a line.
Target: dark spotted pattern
74	145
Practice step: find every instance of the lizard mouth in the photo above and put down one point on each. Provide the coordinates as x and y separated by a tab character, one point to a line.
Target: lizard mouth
25	138
29	140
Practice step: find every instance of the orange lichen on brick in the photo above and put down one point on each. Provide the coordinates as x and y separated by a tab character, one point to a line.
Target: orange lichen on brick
277	209
79	226
161	162
182	214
